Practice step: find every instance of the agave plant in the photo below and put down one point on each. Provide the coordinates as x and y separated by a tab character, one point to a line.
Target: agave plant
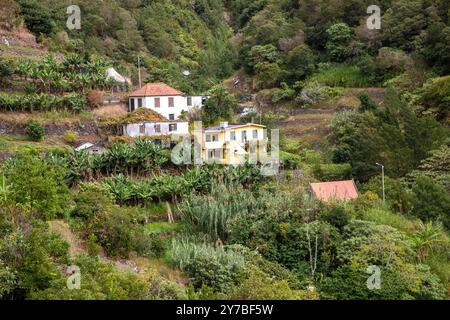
426	238
183	252
211	213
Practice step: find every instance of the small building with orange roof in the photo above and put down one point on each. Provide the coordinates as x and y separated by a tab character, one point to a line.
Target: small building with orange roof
335	190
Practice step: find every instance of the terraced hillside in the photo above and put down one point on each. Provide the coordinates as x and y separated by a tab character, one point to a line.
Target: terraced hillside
311	125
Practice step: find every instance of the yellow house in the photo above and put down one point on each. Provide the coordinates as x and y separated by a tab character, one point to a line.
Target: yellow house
234	144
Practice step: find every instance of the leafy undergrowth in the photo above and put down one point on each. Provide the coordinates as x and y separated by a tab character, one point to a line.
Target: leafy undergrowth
12	144
341	76
157	228
146	265
46	117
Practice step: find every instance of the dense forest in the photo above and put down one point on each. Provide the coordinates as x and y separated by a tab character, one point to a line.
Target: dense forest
232	232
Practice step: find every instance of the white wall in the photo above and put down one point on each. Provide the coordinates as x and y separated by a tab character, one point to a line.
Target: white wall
133	130
180	105
197	101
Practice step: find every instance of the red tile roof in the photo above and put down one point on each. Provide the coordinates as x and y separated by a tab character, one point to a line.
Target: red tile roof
336	190
155	90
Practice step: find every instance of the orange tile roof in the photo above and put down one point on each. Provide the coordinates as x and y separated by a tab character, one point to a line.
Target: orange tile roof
155	90
336	190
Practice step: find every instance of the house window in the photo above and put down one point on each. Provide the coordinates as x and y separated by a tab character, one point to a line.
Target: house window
189	101
132	106
171	116
244	136
215	137
233	135
171	102
208	138
172	127
255	134
157	128
157	102
142	129
139	103
215	154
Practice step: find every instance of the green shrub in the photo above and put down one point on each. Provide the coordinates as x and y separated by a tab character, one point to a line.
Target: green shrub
88	204
290	161
158	246
258	285
210	272
70	137
436	97
217	268
35	131
6	71
431	201
38	184
92	245
118	232
99	281
331	171
337	216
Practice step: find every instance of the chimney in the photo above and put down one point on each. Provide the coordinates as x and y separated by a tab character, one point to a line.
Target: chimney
224	124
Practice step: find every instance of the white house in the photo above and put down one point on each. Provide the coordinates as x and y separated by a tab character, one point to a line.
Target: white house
165	100
156	129
148	123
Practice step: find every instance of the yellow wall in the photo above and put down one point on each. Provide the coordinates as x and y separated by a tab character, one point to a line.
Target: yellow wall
224	142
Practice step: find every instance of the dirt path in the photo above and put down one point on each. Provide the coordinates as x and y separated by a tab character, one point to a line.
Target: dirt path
62	228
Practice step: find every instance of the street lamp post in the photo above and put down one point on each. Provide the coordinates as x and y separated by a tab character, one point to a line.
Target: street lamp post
382	180
139	68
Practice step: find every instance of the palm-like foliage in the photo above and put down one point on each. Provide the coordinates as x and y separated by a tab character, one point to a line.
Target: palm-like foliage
426	238
143	191
137	159
69	81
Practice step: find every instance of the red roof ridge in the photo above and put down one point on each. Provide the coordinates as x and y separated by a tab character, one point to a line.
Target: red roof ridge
156	89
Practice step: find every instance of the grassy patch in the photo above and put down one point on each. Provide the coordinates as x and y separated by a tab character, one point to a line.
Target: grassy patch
440	265
342	76
47	117
164	227
383	216
13	144
162	268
